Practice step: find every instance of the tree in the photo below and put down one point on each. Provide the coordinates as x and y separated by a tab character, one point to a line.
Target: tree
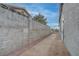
40	18
56	30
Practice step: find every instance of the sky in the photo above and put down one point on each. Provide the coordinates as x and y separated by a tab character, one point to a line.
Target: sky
49	10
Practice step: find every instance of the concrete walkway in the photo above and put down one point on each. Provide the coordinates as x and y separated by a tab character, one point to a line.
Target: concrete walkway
50	46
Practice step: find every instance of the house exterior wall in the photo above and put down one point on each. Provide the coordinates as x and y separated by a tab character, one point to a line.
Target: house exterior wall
71	27
61	27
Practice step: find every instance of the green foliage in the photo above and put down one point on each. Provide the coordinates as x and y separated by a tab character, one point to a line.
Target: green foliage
40	18
56	30
52	29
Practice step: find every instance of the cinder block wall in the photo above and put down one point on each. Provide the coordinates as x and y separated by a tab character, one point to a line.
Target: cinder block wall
17	31
71	27
13	31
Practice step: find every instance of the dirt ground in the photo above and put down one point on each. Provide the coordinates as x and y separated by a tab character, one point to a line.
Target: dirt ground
50	46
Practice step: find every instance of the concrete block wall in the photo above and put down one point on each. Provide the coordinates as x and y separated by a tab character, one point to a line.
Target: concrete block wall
13	31
17	31
71	27
38	30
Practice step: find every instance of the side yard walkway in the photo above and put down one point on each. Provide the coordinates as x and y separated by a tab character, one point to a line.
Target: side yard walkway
50	46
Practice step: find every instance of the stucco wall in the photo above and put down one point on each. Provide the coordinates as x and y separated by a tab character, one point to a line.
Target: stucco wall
71	27
16	31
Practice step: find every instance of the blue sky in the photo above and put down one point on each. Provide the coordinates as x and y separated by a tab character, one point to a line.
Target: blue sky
49	10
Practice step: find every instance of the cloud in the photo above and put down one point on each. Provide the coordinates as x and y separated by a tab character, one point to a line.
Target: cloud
54	25
34	9
37	9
